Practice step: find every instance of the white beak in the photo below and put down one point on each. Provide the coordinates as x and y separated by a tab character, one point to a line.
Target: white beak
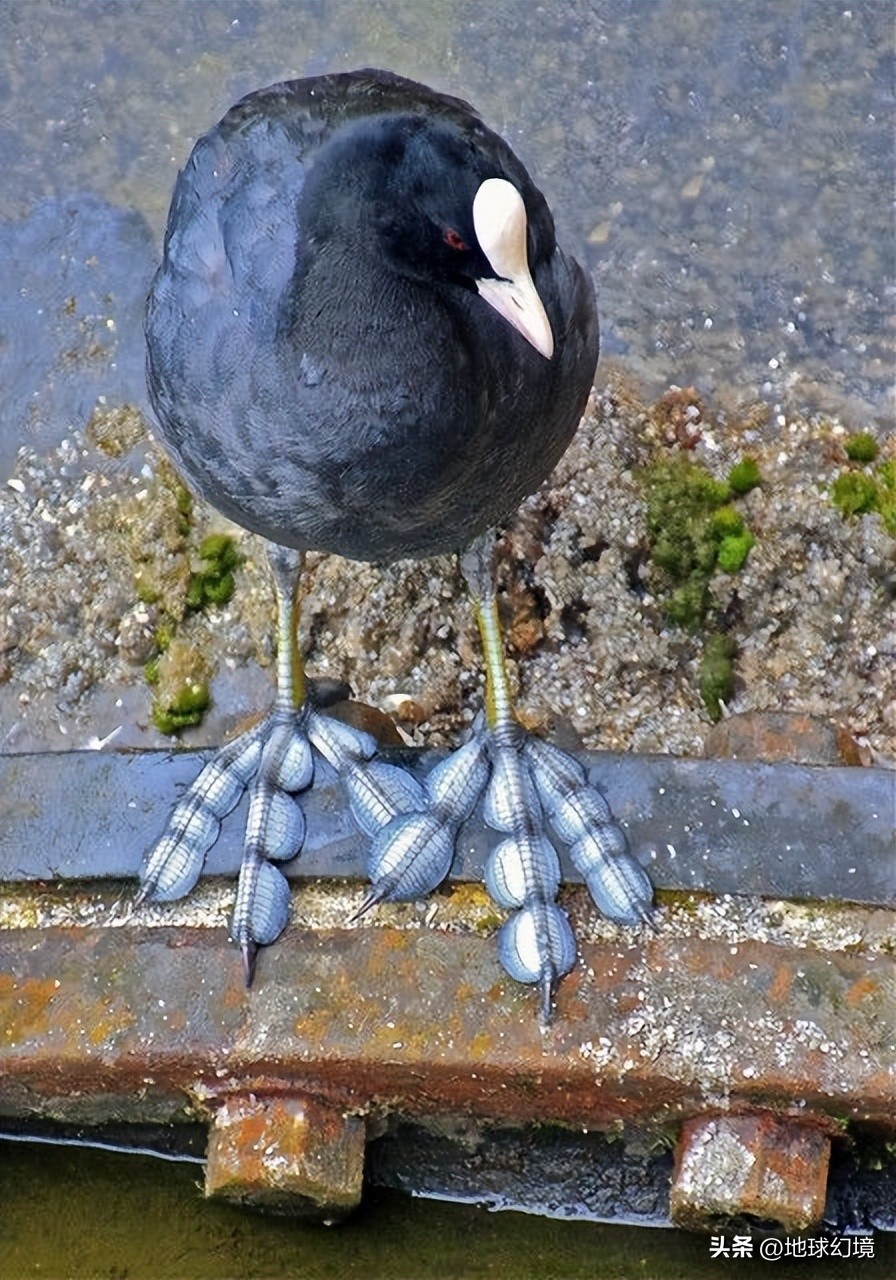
499	219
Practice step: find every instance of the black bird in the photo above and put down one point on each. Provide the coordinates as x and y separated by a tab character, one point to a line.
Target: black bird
364	339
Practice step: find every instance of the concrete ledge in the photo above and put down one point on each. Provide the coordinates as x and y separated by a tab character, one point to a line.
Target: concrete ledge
718	826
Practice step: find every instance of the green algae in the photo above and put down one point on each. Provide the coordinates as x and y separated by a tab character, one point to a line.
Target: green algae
180	678
177	579
861	447
213	584
856	493
716	672
733	551
744	476
695	530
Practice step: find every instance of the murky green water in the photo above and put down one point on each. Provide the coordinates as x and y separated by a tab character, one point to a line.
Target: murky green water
93	1215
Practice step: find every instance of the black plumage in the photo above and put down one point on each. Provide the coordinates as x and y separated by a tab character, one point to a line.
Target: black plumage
320	362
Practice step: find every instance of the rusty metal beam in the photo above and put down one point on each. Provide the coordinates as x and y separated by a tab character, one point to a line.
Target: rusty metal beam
653	1028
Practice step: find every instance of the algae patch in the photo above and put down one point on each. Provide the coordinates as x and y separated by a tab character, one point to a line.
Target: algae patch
180	679
176	579
861	447
694	530
863	489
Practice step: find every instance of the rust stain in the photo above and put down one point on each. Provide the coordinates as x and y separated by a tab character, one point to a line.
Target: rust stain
396	939
315	1026
103	1029
25	1012
433	1025
481	1045
782	980
861	989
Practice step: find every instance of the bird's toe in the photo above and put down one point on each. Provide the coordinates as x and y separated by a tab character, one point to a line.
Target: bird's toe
581	819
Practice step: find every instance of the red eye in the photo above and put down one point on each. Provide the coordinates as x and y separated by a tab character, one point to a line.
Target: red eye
452	239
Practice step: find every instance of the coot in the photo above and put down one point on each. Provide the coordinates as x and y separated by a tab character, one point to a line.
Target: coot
363	338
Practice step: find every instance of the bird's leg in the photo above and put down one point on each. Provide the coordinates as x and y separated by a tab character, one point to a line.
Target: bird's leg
528	784
276	755
275	761
536	944
412	835
412	825
531	781
275	827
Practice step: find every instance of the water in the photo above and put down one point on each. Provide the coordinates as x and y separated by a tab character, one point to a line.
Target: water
92	1215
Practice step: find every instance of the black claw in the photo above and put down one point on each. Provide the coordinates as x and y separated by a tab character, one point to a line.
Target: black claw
144	893
249	951
546	1007
647	915
375	895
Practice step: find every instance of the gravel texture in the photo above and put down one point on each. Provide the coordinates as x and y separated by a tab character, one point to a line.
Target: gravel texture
590	650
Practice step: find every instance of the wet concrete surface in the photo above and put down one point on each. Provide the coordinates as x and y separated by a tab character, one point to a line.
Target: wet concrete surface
723	180
727	171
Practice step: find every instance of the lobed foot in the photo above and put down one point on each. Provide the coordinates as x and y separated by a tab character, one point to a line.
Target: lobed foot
275	761
529	786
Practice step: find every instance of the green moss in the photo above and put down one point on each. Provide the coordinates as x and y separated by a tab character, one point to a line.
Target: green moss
861	447
195	597
147	591
191	699
213	584
218	590
885	479
727	522
693	530
717	672
169	722
744	476
183	499
733	551
181	687
686	606
856	493
177	579
853	493
219	549
681	498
